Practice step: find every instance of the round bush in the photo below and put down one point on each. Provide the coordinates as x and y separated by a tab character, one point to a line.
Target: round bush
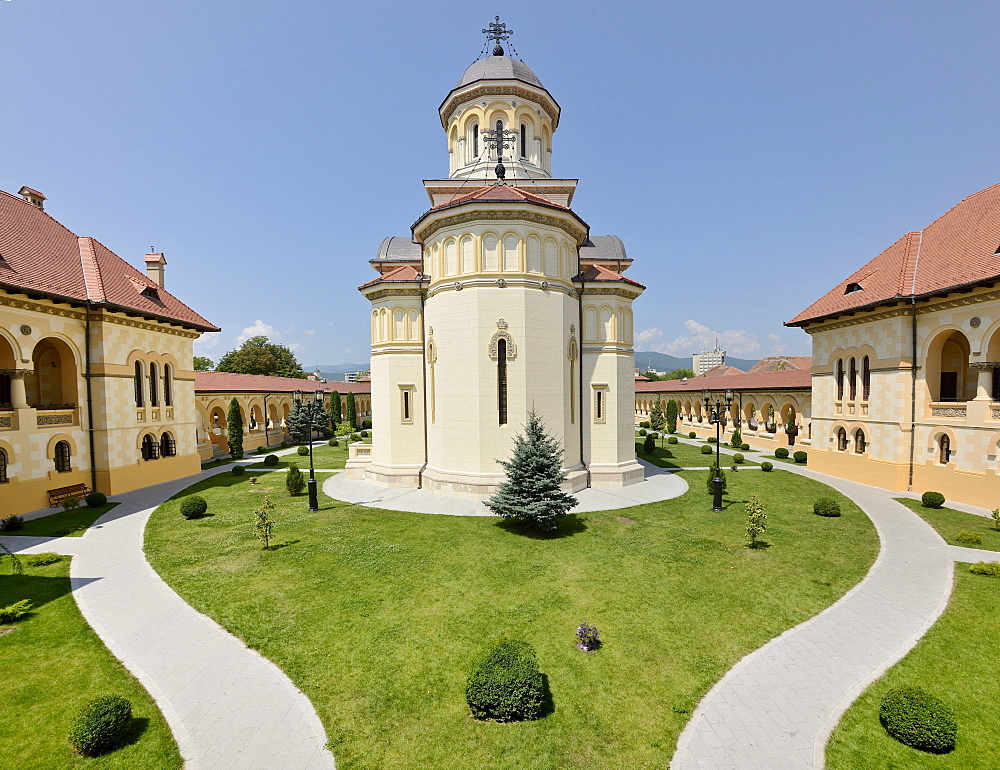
239	470
101	725
642	432
711	439
706	450
366	424
671	439
745	447
333	442
355	437
692	434
826	506
96	499
766	466
932	499
800	457
193	506
303	451
261	450
781	453
916	718
968	538
364	434
655	435
506	684
738	459
644	424
270	461
284	445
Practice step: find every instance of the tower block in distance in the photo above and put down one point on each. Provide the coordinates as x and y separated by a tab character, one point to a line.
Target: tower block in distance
501	302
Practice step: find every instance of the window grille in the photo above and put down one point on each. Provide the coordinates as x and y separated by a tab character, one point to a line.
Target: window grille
63	458
502	380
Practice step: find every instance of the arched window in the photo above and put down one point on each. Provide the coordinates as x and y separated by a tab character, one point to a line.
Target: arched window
852	378
168	394
475	141
154	391
150	449
138	384
168	447
840	379
859	442
944	450
63	459
841	439
3	467
502	380
866	378
524	141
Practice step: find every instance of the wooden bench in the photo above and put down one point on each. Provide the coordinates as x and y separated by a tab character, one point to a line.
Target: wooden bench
56	496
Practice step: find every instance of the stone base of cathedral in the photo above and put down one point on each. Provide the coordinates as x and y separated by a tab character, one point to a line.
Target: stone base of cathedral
617	475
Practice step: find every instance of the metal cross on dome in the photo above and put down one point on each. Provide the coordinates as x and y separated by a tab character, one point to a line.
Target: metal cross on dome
498	31
499	140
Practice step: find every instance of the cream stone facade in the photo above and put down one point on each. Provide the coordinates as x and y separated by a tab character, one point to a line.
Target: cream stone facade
499	304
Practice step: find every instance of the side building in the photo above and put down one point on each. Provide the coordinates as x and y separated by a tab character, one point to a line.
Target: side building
906	352
96	380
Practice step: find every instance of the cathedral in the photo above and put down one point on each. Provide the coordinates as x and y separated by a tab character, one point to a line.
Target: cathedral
499	302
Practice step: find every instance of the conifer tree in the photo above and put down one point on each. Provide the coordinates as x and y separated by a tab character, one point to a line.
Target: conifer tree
298	422
295	482
656	418
713	468
531	492
336	409
352	411
234	433
671	416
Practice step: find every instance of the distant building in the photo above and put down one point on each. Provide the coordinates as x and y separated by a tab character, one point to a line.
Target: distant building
706	359
356	376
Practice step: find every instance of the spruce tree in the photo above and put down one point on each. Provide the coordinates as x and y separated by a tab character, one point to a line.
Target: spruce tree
656	418
352	411
531	492
234	433
671	416
295	482
336	409
298	422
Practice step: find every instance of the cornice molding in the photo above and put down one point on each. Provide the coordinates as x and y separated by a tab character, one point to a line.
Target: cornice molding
454	102
922	309
98	316
571	228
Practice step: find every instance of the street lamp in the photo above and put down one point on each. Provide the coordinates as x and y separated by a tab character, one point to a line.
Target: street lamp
714	409
310	410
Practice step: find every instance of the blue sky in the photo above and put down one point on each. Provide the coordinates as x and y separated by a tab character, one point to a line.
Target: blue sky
750	155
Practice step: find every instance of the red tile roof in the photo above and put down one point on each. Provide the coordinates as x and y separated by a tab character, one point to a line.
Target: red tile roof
788	379
721	371
500	192
227	382
596	273
404	274
40	256
956	250
774	364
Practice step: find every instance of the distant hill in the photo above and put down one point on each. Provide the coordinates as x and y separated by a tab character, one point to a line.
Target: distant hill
661	362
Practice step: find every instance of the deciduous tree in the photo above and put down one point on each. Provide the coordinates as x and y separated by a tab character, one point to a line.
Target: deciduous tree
258	356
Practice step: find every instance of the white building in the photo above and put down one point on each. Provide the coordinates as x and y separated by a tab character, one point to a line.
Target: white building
707	359
501	302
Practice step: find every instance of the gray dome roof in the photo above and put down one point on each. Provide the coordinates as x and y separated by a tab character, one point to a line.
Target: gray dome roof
499	68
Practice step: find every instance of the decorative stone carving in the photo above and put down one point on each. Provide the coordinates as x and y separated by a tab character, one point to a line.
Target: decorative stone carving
947	411
54	419
996	414
501	283
974	322
511	347
6	421
458	285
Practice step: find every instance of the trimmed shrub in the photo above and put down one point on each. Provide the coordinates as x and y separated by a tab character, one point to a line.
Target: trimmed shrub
239	470
692	434
261	450
706	450
355	437
270	461
781	453
71	503
364	434
42	559
366	424
648	445
968	538
826	506
991	568
101	725
800	457
745	447
932	499
671	439
710	481
654	436
738	459
642	432
766	466
737	440
193	506
96	499
283	445
295	482
11	524
918	719
14	612
333	442
644	424
302	451
711	439
506	684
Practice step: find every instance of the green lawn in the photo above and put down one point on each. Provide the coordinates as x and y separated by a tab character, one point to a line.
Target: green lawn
685	456
323	457
948	522
64	523
53	664
955	661
377	615
216	463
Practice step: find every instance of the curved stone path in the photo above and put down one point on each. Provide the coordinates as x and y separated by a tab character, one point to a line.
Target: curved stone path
227	706
777	707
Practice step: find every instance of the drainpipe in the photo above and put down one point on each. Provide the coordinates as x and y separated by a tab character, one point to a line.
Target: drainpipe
423	371
90	403
579	308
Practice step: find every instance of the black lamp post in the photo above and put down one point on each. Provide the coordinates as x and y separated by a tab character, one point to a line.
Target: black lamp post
310	411
714	409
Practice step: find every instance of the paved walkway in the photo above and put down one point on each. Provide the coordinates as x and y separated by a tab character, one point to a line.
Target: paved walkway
660	484
778	706
227	706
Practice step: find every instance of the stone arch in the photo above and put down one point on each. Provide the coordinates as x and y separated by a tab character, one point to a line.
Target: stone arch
490	245
55	378
568	270
50	447
10	350
551	257
450	257
376	337
590	324
467	258
384	318
606	324
934	442
533	253
946	365
398	333
511	253
412	325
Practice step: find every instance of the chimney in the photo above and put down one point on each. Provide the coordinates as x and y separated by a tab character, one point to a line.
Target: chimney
155	263
33	197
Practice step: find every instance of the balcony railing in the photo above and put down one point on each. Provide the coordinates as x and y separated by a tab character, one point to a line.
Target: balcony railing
49	416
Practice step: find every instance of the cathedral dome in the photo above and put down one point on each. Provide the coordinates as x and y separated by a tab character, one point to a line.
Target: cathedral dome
499	68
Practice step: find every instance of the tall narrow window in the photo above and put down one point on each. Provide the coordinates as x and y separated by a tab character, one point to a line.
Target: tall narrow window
150	448
63	459
138	384
944	444
475	142
599	408
866	378
154	391
168	446
842	439
859	442
168	395
524	141
840	379
406	406
3	467
852	378
502	380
